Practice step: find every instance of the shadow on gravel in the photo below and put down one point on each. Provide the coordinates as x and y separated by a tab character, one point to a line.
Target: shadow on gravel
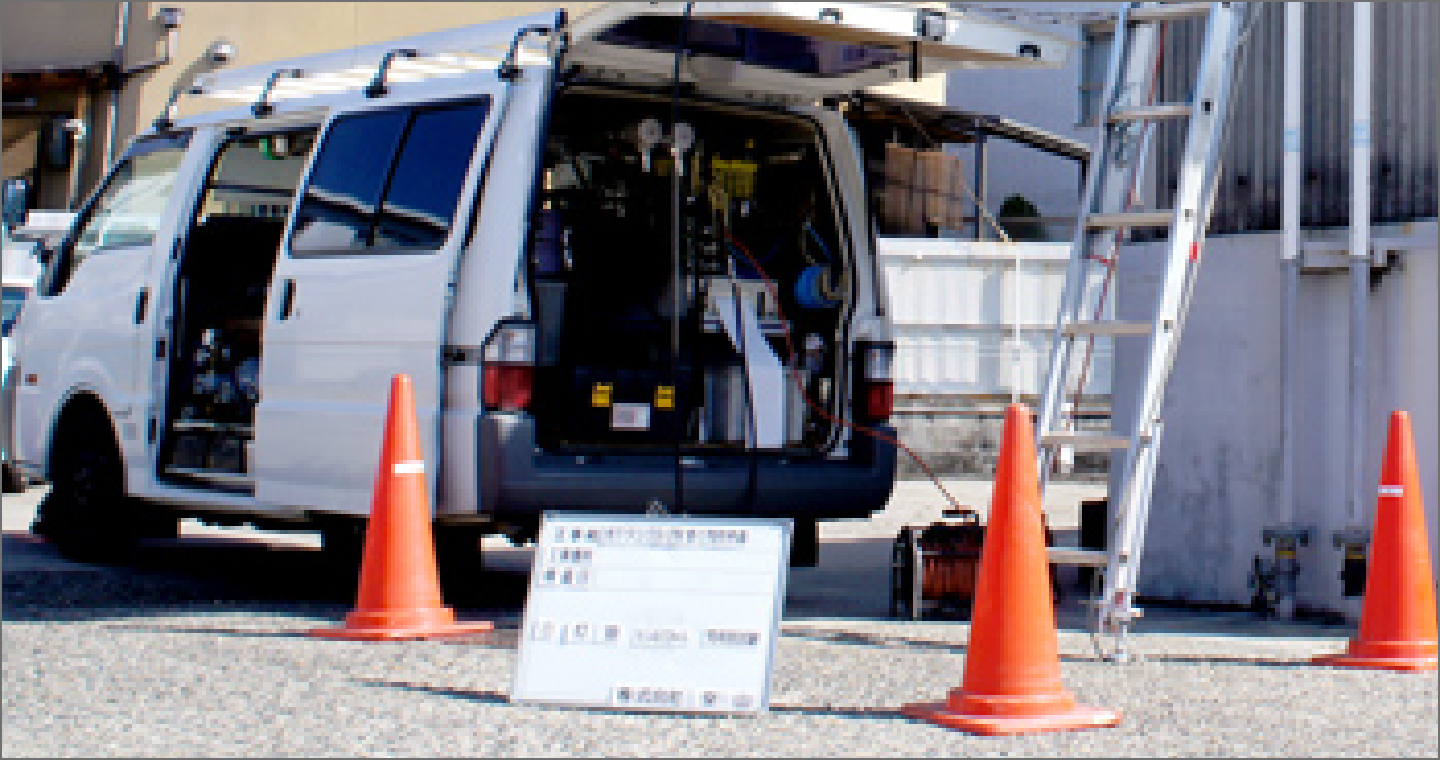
853	638
505	635
186	577
497	698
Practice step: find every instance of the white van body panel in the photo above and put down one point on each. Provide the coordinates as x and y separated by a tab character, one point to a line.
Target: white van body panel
486	283
356	321
19	271
106	357
840	141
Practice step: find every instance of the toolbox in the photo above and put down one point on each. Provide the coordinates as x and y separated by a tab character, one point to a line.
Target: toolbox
625	405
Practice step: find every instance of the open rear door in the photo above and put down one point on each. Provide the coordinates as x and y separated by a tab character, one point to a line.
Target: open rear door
802	50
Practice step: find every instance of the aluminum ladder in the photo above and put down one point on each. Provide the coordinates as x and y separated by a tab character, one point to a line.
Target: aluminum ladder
1126	115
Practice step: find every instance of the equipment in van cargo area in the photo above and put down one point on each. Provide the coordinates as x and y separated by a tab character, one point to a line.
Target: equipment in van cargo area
760	253
220	295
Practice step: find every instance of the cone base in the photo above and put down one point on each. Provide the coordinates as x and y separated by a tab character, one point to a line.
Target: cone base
401	633
1077	718
1403	664
402	624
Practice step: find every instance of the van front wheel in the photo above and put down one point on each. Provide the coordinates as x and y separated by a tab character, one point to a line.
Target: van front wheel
86	514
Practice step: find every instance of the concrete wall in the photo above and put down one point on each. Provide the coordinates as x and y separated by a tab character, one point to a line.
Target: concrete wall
976	319
36	35
1218	482
273	31
47	34
973	324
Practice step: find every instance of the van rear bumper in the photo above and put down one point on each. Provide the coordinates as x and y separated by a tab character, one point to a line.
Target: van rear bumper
517	478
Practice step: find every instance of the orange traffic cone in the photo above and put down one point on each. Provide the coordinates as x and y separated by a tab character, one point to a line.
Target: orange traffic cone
1397	621
399	595
1012	669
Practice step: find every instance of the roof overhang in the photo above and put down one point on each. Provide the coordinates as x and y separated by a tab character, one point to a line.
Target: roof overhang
946	124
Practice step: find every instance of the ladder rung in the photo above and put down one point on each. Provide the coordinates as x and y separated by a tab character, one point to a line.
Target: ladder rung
1134	612
1170	12
1167	12
1107	328
1086	441
1129	219
1085	557
1156	111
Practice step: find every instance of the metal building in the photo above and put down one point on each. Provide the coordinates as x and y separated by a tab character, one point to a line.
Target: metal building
1298	345
1404	131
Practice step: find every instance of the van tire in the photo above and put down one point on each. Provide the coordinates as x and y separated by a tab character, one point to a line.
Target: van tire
342	542
805	543
10	479
458	558
457	552
86	514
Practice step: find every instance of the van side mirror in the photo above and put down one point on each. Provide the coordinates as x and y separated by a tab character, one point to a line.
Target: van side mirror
16	200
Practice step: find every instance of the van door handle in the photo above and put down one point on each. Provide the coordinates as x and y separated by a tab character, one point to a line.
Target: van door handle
287	300
142	304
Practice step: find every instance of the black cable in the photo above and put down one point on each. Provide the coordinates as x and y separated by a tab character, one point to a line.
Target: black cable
675	272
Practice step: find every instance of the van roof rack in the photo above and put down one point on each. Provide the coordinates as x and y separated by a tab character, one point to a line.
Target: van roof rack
371	68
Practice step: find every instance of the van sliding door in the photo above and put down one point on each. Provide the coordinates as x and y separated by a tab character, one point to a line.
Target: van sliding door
360	294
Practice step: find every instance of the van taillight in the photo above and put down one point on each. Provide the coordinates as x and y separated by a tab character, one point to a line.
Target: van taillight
508	371
876	394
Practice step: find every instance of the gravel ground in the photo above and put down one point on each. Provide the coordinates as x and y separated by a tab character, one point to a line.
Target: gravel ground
172	657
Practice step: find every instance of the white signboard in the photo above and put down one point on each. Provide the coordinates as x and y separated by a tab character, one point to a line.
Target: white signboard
676	614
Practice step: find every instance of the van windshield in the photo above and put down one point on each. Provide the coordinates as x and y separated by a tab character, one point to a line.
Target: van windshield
14	299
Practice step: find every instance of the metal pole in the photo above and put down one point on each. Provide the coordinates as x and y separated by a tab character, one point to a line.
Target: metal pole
112	104
79	129
1294	122
1360	250
979	182
1015	373
1290	220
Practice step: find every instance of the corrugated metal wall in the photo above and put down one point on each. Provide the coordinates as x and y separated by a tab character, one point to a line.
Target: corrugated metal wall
1404	130
971	322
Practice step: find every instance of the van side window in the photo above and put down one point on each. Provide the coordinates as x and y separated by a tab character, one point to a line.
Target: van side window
345	186
388	179
128	211
425	188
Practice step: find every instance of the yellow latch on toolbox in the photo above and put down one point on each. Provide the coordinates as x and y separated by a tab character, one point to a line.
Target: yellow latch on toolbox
665	397
600	394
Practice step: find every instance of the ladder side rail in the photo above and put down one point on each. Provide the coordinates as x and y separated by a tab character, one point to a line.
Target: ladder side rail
1194	199
1114	608
1194	196
1076	278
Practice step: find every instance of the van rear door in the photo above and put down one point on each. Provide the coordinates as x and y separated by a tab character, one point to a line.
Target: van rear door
802	50
361	291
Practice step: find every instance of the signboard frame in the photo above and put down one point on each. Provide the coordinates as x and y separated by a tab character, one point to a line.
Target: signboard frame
683	575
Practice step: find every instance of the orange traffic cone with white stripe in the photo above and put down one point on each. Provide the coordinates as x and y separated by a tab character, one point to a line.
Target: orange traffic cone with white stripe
399	596
1012	665
1397	619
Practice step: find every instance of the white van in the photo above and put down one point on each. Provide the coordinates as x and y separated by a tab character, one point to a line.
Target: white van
613	290
25	234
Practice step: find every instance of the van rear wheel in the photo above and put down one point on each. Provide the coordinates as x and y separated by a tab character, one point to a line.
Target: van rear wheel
86	514
458	558
457	553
